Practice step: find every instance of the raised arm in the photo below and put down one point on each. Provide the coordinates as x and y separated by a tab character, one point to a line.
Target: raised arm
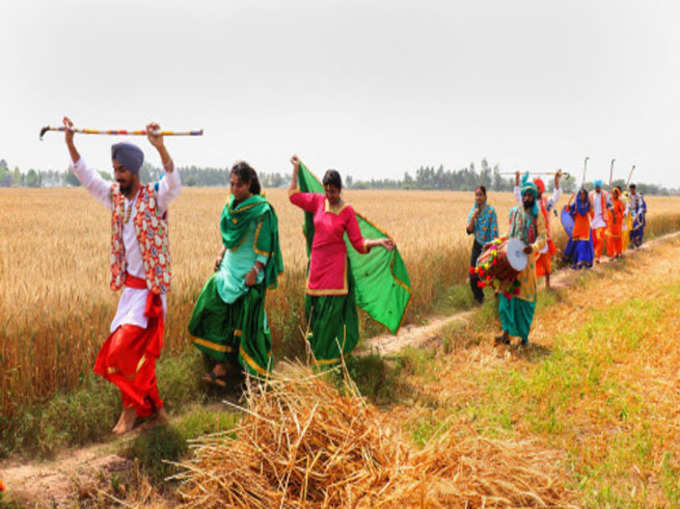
295	161
170	185
90	179
516	191
306	201
552	201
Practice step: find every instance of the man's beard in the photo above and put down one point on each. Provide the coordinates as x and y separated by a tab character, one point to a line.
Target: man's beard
125	189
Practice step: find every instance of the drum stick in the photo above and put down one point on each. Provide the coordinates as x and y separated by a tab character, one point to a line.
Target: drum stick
122	132
630	175
611	173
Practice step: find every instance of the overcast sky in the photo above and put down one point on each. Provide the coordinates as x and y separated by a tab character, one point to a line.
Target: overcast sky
371	88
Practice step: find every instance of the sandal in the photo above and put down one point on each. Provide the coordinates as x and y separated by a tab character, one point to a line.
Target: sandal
214	379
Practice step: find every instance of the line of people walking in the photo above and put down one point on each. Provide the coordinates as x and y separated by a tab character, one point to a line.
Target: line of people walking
591	221
229	321
352	262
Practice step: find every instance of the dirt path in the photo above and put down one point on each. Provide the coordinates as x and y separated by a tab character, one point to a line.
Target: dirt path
74	474
79	473
419	336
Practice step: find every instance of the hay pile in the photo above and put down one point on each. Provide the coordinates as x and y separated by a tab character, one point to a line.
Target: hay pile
303	443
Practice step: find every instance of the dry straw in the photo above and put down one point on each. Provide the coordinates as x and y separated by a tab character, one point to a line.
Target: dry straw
304	443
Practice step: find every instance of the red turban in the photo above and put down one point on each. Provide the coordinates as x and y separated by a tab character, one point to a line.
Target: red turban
541	186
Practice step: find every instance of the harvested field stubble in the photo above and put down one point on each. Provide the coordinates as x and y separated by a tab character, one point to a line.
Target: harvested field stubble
304	443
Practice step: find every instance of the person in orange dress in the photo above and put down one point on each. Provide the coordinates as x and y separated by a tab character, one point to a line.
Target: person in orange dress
614	225
579	251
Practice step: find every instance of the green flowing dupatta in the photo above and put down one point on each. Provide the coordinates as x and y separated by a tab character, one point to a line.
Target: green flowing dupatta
255	345
383	288
234	227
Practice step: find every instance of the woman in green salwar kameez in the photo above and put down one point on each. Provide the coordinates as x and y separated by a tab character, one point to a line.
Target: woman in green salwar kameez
229	322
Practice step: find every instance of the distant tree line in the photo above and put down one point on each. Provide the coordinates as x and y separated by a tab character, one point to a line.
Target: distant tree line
190	175
425	177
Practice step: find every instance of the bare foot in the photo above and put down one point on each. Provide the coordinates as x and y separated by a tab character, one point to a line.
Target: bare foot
160	417
502	340
126	421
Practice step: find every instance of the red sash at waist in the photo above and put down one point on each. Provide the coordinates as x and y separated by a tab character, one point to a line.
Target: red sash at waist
134	282
153	311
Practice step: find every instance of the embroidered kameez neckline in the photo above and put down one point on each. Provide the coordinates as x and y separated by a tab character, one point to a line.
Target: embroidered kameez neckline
336	209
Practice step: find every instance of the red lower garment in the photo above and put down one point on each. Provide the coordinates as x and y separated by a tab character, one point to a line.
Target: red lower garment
128	357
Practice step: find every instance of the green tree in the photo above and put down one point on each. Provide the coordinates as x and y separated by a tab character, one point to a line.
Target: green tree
32	178
70	179
17	177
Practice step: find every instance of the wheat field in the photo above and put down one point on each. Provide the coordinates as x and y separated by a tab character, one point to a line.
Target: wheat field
56	305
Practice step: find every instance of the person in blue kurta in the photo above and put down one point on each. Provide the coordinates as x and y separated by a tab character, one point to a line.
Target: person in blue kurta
229	322
482	222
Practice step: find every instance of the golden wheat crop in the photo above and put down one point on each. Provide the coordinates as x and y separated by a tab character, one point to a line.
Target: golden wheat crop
56	305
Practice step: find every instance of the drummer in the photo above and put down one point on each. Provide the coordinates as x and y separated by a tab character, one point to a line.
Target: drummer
517	300
482	222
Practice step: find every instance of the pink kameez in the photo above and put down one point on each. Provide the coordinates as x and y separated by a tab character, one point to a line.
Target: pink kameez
328	263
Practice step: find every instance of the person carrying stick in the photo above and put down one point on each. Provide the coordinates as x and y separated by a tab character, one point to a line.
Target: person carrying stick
140	266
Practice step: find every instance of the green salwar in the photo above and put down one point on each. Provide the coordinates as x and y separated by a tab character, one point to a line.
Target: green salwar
333	324
516	316
229	321
236	332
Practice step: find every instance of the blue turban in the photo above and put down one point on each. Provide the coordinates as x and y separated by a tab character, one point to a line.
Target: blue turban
129	155
530	187
598	183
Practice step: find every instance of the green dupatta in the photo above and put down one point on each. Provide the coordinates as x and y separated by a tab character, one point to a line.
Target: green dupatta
234	227
383	288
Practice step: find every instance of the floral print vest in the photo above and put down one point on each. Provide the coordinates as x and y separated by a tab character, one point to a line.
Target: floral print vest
152	234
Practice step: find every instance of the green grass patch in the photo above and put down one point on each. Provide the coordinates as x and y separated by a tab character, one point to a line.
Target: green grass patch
571	399
154	448
424	429
87	414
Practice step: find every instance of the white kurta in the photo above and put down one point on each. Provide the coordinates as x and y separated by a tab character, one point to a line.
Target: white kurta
598	219
132	301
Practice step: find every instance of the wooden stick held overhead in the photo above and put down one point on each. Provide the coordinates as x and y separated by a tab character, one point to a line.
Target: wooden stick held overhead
121	132
565	174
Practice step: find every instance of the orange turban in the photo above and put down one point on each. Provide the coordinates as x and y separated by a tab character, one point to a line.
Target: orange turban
541	186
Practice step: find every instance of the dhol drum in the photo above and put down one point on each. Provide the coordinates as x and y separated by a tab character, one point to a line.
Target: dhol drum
503	259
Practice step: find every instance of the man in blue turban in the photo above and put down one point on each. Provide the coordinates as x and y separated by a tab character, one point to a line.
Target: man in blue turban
517	299
127	159
139	266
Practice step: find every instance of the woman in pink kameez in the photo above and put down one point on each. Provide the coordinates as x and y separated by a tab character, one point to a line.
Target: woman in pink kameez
330	305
